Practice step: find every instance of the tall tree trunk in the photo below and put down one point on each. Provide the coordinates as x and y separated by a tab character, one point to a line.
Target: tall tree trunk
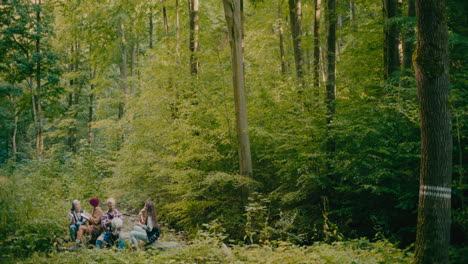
316	63
72	83
330	82
13	137
460	164
34	108
194	29
123	70
432	79
40	115
151	29
177	27
132	64
295	14
77	93
391	54
353	18
408	45
90	116
137	57
166	26
281	38
232	10
132	58
78	82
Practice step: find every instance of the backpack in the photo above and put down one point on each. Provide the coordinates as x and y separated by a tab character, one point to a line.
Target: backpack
153	235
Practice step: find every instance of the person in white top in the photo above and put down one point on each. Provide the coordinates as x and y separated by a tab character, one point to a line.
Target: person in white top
77	217
147	229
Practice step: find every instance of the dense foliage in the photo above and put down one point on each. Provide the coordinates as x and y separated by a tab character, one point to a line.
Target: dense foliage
170	135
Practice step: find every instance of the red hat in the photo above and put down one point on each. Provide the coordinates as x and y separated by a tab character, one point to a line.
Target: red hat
94	201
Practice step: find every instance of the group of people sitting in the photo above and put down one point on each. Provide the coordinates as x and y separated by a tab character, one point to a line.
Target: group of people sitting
105	228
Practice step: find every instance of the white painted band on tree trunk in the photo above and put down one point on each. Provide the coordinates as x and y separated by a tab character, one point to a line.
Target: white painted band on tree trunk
435	191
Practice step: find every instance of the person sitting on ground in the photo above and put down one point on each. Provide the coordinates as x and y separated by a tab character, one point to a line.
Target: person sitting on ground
147	229
112	227
77	217
94	228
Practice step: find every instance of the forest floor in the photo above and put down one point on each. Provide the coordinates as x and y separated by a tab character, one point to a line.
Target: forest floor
174	247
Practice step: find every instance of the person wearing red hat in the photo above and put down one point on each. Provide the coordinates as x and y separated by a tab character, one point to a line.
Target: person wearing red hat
94	228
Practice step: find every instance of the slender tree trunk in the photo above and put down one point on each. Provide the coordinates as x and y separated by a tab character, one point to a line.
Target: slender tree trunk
353	18
281	38
316	63
408	45
123	70
166	26
339	41
177	28
295	13
232	10
132	65
78	86
90	116
137	61
34	108
432	79
78	82
72	84
13	137
194	29
132	58
330	82
151	29
460	163
391	54
40	115
71	68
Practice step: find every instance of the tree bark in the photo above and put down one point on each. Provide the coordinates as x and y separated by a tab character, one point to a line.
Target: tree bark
132	64
151	29
132	58
281	38
353	18
316	62
295	14
177	27
78	82
90	116
194	30
13	138
166	26
34	108
232	10
391	54
123	70
40	115
77	93
408	45
72	83
432	80
330	82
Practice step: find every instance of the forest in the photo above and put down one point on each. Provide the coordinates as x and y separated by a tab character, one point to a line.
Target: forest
264	131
